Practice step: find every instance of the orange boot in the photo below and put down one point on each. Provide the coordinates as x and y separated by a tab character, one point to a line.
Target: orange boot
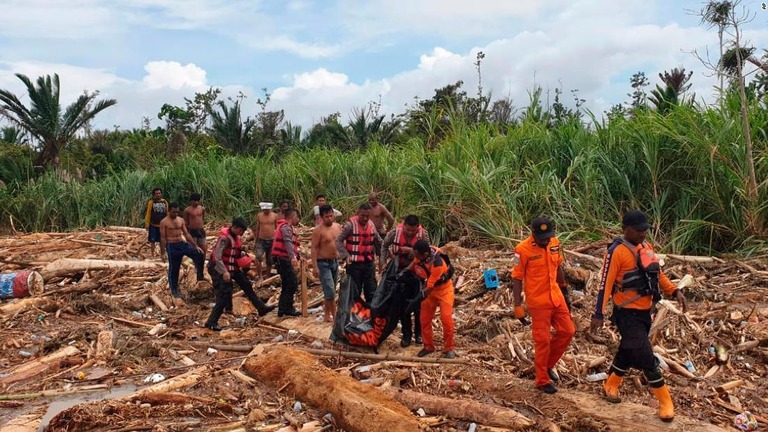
666	408
611	388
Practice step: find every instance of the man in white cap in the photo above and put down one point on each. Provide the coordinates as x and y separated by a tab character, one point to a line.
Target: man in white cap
264	230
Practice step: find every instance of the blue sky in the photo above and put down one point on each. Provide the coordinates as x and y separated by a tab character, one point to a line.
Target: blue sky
319	57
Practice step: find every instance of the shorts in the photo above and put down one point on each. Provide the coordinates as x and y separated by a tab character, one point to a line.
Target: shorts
153	235
263	246
329	277
199	235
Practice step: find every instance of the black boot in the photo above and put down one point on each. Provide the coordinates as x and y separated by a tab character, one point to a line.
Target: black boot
265	310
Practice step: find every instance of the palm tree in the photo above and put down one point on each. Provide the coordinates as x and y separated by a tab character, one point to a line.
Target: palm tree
44	121
667	97
228	128
12	135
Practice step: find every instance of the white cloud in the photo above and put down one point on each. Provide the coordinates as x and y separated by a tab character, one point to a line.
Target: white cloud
288	44
173	75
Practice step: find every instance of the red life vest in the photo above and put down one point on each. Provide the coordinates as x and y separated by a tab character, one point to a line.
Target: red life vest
401	240
278	245
360	243
230	255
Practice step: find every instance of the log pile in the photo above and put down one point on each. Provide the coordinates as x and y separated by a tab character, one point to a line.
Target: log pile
105	326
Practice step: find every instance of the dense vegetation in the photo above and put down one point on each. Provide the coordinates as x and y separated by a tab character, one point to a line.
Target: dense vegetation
467	165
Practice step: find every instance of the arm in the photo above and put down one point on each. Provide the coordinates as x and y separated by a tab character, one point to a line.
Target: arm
389	239
314	245
434	275
186	216
346	232
390	219
518	275
376	239
288	241
163	236
670	288
221	244
609	272
187	235
148	214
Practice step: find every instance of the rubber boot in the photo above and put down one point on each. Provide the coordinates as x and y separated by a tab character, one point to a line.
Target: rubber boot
666	408
611	388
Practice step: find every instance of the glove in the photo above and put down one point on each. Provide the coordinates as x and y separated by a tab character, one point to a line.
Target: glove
520	312
414	302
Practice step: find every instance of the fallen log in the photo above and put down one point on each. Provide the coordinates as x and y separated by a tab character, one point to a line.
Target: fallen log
29	422
36	367
125	229
387	356
486	414
159	303
186	379
66	266
355	407
21	304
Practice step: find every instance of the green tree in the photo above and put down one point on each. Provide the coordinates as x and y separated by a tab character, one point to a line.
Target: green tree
666	98
229	129
12	135
45	121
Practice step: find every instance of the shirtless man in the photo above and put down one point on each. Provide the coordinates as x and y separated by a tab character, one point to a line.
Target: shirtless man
378	213
173	233
320	201
266	223
194	216
325	257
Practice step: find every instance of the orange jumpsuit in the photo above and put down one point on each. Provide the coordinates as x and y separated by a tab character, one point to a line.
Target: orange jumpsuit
537	268
440	295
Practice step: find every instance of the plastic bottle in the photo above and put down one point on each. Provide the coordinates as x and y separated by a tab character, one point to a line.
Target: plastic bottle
602	376
689	365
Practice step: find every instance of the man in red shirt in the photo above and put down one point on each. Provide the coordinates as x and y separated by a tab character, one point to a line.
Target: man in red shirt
538	269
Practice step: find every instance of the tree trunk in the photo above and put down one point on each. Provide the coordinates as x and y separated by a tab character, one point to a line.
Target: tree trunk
355	406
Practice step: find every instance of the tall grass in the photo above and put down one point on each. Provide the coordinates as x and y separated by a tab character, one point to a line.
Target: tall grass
685	169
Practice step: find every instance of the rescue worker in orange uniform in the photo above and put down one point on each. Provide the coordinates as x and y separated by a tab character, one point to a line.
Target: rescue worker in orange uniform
428	264
538	270
632	279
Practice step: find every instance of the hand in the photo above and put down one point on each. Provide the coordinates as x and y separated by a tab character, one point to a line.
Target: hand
295	263
595	324
200	250
519	312
406	249
681	301
227	277
348	260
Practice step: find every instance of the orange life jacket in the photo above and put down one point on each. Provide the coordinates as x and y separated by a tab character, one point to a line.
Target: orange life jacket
230	255
359	244
278	245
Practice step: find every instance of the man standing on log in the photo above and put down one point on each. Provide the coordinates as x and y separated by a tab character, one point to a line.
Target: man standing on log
173	233
264	230
194	217
157	209
430	265
399	244
538	268
356	244
326	259
229	263
286	255
633	281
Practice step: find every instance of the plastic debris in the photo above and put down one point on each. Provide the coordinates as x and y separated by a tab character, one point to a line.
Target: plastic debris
278	338
292	332
662	363
602	376
689	365
317	344
297	406
25	354
421	412
472	427
154	378
746	422
212	351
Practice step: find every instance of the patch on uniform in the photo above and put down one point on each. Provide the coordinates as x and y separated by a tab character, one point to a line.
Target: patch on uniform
516	259
535	257
543	227
555	249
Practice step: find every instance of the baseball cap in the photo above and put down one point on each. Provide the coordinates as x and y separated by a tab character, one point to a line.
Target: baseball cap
635	219
543	227
265	205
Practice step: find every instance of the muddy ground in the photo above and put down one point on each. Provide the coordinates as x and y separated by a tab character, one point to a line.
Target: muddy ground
93	385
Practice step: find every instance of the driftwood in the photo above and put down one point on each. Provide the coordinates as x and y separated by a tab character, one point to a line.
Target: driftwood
21	304
159	303
29	422
66	266
371	356
125	229
104	344
484	413
184	380
36	367
355	407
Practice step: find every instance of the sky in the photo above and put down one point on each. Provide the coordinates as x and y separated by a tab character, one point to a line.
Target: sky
321	57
